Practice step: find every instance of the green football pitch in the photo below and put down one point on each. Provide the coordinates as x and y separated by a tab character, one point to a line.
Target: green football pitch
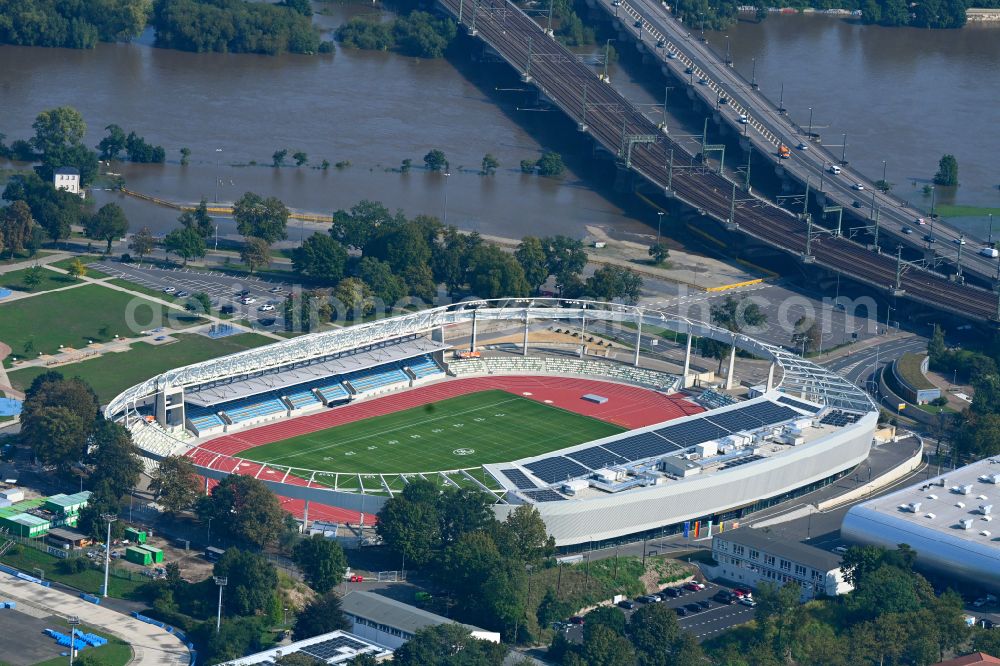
463	432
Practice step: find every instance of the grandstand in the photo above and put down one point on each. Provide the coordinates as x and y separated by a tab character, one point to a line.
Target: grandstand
806	431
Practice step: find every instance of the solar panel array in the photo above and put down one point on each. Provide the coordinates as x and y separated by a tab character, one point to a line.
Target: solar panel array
544	495
332	648
558	468
660	442
798	404
840	418
596	457
519	479
741	461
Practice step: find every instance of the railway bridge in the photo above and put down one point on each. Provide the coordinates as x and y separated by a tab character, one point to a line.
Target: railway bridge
645	149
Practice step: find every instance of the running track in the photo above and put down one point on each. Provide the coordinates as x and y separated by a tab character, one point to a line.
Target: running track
627	406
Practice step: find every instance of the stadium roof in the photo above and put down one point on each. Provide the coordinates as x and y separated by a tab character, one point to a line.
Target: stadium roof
341	363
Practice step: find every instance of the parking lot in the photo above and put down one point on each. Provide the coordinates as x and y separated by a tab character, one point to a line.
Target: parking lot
702	624
224	290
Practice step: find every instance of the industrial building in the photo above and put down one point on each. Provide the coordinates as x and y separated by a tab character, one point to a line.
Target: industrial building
391	623
753	557
947	520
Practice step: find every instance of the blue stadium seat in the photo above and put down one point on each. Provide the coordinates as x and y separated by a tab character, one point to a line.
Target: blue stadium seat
376	378
252	408
302	398
203	418
424	366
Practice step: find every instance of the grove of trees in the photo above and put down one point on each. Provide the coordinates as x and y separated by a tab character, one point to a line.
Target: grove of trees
75	25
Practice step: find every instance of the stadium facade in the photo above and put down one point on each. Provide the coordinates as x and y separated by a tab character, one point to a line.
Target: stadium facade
809	426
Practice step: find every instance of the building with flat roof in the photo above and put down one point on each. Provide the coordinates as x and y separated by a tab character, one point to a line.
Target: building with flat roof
753	557
947	520
67	178
336	647
391	623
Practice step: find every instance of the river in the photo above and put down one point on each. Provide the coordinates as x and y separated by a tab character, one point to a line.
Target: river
902	95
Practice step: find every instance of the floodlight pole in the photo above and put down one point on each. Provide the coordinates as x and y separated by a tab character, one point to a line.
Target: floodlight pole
221	581
110	518
74	621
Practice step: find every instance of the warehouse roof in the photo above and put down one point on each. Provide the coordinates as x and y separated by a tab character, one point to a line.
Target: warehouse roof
392	613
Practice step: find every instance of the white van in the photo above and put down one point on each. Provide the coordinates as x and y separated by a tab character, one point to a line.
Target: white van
834	169
990	252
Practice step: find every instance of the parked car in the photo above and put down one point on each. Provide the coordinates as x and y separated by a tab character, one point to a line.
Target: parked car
626	604
357	578
840	550
672	592
725	597
705	603
681	611
169	290
693	608
182	293
267	307
742	592
692	586
747	601
247	300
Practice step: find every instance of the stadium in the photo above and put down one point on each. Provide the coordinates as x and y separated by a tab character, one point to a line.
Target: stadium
487	395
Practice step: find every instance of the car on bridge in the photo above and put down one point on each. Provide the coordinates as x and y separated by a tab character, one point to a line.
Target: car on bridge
907	230
672	55
743	119
802	146
858	186
958	241
930	239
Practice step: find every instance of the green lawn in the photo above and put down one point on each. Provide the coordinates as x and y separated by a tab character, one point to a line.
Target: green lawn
112	373
115	652
76	316
946	210
21	256
28	559
490	426
50	280
87	259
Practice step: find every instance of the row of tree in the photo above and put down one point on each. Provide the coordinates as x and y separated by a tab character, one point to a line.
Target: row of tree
235	26
418	34
75	25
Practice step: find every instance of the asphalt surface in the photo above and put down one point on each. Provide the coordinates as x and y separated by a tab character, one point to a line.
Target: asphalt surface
767	126
223	289
859	368
702	624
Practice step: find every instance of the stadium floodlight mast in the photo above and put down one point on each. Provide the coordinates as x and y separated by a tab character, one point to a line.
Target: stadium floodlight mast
74	622
109	518
221	581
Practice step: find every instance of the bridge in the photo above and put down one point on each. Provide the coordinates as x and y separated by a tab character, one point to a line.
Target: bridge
765	126
643	147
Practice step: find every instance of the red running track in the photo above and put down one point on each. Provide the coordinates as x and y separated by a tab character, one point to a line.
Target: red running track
628	406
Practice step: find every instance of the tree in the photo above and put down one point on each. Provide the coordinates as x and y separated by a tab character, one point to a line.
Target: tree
256	252
448	645
461	512
356	298
300	158
199	220
605	616
947	173
321	258
490	164
186	243
77	269
550	164
435	160
176	484
16	224
244	509
107	224
278	158
531	255
385	285
113	144
252	581
185	156
612	282
355	228
321	561
528	166
114	457
32	277
494	273
659	252
142	242
57	418
523	535
936	347
58	129
321	615
604	646
261	218
200	303
423	35
651	629
565	258
807	334
408	522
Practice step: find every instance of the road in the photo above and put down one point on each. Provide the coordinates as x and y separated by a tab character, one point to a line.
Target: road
767	127
858	368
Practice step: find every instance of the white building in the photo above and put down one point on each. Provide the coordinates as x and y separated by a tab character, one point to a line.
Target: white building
336	647
947	520
67	178
752	557
391	623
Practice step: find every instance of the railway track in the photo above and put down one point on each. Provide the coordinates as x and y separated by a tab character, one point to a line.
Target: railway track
615	123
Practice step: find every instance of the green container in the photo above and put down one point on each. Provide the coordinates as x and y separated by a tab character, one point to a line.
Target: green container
138	556
133	534
155	552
